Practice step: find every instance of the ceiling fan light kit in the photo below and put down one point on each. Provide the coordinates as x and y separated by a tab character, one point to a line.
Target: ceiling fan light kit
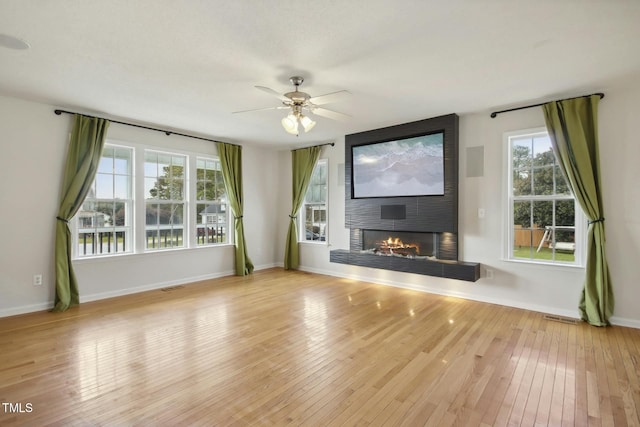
290	124
300	102
307	123
295	117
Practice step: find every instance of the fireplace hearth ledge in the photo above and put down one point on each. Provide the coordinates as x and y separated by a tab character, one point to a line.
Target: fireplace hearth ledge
469	271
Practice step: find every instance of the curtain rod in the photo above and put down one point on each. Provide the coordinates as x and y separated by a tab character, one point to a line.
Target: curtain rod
326	143
495	113
166	132
319	145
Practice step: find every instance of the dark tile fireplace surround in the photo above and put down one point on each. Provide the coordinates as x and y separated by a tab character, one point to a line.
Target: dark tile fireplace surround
407	234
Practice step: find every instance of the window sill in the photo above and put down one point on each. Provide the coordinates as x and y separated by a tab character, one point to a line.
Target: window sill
152	253
544	264
315	242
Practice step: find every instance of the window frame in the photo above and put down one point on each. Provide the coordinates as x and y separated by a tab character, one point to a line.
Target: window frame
228	238
185	202
137	241
76	227
580	220
302	212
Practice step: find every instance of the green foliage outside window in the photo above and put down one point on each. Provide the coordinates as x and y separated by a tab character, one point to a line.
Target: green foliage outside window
540	175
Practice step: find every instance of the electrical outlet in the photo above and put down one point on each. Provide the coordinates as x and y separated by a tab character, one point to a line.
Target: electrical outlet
37	280
488	273
481	213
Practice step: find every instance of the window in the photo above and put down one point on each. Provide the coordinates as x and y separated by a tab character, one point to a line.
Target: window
104	221
546	223
313	213
165	199
211	206
181	203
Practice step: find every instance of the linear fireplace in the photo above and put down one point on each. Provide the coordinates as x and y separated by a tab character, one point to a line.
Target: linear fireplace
399	243
394	250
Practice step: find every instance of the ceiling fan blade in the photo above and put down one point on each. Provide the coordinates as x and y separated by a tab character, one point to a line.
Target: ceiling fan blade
330	114
328	98
282	107
274	93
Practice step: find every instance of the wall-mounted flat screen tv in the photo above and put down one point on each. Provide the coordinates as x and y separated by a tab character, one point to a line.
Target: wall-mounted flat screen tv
404	167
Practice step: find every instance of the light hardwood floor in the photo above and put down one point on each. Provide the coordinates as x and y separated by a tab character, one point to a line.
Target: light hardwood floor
294	348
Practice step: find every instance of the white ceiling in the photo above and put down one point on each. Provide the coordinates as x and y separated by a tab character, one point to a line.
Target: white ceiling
187	65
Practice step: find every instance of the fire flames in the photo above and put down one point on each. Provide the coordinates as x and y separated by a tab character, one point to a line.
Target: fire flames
393	245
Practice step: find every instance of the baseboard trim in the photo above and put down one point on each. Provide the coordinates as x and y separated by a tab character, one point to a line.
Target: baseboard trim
266	266
623	321
24	309
169	283
117	293
152	286
618	321
31	308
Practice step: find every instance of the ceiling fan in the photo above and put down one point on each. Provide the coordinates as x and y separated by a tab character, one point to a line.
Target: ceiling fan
300	103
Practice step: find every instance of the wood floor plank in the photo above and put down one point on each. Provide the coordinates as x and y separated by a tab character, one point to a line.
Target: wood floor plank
295	348
493	395
558	394
569	398
626	374
581	402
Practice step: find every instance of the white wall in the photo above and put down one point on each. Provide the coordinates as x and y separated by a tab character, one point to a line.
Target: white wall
261	205
34	143
550	289
620	161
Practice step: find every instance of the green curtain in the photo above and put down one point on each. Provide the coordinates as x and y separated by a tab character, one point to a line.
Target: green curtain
573	128
83	156
231	162
303	161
